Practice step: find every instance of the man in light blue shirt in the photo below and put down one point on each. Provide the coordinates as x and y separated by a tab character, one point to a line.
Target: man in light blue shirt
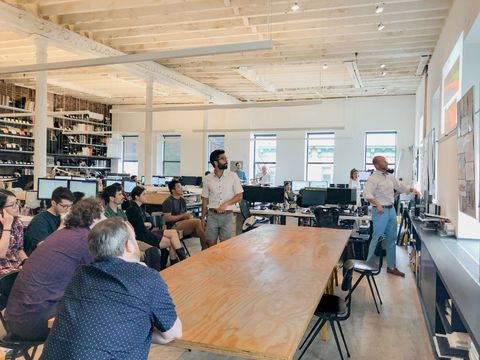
241	174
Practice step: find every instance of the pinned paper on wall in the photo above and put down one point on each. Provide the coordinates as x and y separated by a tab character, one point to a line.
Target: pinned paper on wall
466	155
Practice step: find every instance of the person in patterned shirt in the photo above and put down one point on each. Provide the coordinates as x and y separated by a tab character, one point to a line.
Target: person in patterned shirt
12	254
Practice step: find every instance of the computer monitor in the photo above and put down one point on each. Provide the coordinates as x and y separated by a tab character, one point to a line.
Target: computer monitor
158	180
318	184
88	187
168	179
297	185
253	194
129	185
314	197
364	175
109	182
273	194
191	180
338	196
46	187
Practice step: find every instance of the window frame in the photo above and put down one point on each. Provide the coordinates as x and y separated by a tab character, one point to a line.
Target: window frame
394	165
263	137
123	152
208	147
307	162
165	137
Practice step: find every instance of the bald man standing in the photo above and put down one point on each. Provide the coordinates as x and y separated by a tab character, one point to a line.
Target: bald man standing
379	191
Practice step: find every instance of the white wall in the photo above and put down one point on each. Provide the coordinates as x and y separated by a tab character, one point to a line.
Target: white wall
461	18
357	115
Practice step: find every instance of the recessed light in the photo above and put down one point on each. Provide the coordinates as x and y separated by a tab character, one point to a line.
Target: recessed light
384	73
383	66
379	9
380	26
325	67
295	7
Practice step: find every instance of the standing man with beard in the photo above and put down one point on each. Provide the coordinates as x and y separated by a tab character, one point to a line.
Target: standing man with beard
221	191
379	191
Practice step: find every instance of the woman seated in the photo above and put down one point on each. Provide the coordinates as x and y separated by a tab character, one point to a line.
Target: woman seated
161	239
289	194
12	254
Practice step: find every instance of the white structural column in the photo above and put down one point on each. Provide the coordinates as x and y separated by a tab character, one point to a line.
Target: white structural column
148	149
40	128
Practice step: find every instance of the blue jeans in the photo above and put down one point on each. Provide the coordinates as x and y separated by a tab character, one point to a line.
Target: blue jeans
384	224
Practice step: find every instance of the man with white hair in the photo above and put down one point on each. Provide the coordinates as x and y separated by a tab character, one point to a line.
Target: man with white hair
115	307
263	177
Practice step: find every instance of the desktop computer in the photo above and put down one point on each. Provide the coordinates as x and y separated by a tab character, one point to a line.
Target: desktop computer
339	196
313	197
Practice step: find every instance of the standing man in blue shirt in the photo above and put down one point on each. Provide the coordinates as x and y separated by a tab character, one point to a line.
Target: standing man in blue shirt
115	307
241	174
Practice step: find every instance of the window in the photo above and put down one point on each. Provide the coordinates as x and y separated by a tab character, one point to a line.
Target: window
171	155
265	153
320	153
214	142
130	155
381	144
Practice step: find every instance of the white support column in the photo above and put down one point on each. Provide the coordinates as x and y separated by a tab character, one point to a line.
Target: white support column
148	149
40	128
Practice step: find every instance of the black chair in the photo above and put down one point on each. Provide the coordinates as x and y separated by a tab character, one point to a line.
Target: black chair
370	269
333	309
18	346
254	220
326	217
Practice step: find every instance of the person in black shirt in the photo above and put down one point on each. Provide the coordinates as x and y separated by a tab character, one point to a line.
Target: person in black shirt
174	209
161	239
48	221
115	307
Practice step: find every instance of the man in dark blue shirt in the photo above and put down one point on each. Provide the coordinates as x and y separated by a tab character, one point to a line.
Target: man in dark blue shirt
115	307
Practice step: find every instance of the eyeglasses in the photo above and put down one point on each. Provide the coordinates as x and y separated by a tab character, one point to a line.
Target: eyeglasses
65	206
15	204
222	158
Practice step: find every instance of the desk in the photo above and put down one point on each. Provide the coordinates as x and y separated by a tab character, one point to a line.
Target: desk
254	295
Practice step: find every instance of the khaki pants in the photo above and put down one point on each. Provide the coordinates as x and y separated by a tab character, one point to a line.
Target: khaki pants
187	226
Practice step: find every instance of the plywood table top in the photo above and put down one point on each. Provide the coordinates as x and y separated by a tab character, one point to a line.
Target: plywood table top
254	295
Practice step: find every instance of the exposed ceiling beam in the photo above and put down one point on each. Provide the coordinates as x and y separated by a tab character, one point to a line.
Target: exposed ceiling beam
24	22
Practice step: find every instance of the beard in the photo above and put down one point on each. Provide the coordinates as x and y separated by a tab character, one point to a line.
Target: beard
223	166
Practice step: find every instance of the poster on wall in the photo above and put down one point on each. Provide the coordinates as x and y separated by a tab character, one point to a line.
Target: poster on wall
466	155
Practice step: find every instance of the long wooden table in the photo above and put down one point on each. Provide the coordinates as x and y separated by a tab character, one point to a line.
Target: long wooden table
254	295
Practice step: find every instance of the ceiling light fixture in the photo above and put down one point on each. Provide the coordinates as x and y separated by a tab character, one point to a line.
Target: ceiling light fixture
295	7
384	73
383	66
379	8
325	67
352	69
380	26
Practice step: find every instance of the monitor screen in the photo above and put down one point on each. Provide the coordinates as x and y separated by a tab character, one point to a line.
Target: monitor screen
89	188
318	184
129	185
46	187
314	197
254	194
158	180
109	182
168	178
338	196
273	194
364	175
297	185
191	180
143	179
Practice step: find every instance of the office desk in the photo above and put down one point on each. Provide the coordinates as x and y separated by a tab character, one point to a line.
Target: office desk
254	295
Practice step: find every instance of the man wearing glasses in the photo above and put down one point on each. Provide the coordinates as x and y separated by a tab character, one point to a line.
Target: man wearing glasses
48	221
221	191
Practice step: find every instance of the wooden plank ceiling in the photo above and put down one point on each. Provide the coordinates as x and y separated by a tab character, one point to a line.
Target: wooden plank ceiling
307	61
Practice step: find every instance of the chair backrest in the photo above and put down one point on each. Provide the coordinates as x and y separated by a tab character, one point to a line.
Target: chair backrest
381	253
325	217
6	284
157	219
245	209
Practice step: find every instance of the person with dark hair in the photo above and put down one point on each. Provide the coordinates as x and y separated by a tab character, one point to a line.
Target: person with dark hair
48	221
241	174
161	239
12	255
43	279
114	308
174	210
221	191
207	173
78	195
134	177
114	197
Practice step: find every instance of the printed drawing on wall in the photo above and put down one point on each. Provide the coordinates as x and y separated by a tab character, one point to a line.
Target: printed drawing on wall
466	155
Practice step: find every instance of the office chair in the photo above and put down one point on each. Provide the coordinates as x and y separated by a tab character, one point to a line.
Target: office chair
326	217
250	222
18	346
370	269
333	309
